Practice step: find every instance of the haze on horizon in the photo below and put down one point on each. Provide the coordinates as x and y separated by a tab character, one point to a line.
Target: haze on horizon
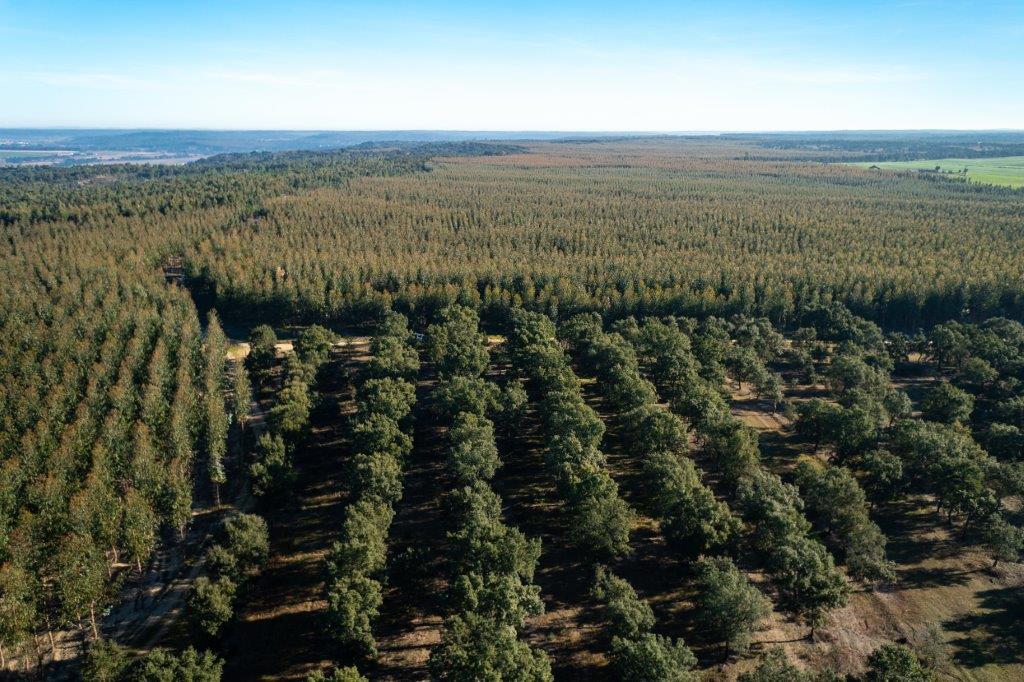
570	66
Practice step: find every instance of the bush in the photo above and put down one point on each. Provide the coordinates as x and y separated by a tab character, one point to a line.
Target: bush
190	666
105	661
895	663
349	674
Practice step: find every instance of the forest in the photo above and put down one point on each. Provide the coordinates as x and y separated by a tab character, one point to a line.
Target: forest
662	408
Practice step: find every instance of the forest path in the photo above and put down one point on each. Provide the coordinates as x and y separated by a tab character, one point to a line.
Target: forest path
412	614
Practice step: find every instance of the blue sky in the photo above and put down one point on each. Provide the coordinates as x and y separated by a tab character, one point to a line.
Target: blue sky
670	66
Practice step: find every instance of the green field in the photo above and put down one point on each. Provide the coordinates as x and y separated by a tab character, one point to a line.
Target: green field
1003	170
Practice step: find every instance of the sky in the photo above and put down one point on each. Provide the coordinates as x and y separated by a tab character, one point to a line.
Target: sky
554	66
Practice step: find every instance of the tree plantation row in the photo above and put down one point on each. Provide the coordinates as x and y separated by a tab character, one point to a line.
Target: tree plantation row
665	385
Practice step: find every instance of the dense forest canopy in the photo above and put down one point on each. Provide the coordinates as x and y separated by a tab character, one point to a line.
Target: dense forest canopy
654	226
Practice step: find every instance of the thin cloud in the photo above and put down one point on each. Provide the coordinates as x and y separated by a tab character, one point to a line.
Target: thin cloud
316	78
89	80
840	75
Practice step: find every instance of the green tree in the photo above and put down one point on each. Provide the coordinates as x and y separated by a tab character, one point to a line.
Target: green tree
389	396
500	596
216	425
353	603
105	661
602	521
139	525
362	548
211	604
392	357
241	394
377	475
474	648
290	416
455	344
246	537
631	617
271	470
313	344
653	658
882	476
262	349
977	373
461	393
1001	539
472	454
947	404
897	404
734	447
513	402
18	608
377	432
81	578
833	495
810	583
730	606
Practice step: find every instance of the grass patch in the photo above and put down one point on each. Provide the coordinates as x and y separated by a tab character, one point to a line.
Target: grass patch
1007	171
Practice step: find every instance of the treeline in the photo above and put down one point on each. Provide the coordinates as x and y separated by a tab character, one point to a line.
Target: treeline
243	542
887	146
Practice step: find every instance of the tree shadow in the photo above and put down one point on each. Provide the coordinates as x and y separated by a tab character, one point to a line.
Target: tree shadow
941	576
994	633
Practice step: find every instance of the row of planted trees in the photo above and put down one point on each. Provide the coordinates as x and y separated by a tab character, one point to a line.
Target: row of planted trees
636	651
241	542
242	539
102	426
690	376
600	520
381	442
491	591
691	518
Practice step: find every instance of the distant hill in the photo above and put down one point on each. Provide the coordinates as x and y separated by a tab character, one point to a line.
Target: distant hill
206	142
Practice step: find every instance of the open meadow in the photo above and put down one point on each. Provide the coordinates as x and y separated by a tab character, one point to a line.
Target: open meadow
1007	171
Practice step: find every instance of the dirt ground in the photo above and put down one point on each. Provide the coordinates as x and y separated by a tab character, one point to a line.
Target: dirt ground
945	594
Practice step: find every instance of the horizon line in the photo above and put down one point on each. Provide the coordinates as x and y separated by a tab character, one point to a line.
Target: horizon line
599	131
